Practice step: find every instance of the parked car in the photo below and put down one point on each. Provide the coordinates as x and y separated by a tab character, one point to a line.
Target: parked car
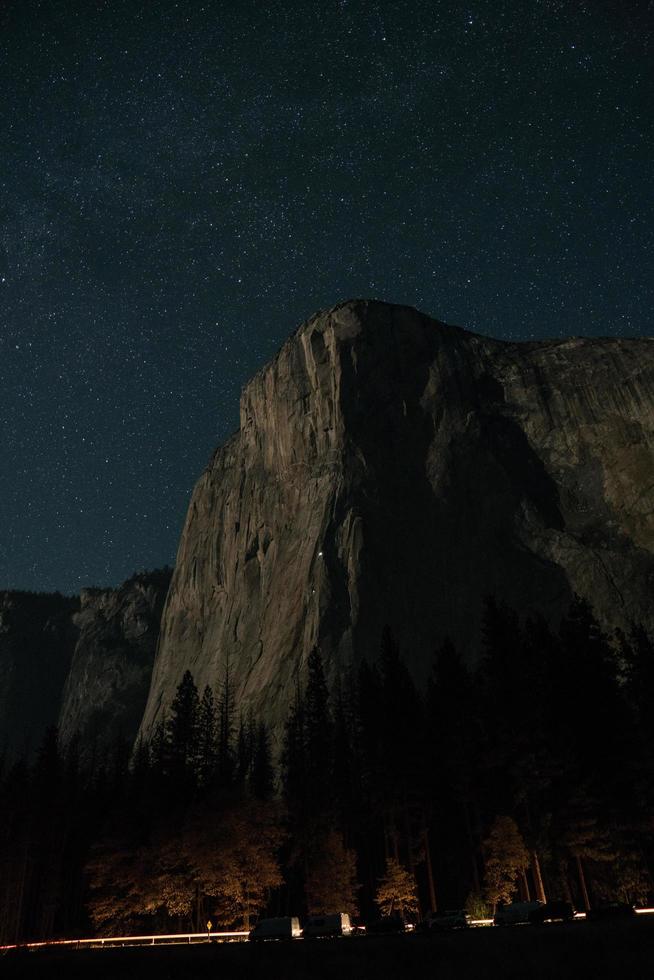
611	910
286	927
516	913
556	911
337	924
387	924
444	921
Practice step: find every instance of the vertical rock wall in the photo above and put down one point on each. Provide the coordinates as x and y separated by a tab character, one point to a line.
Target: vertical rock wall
391	469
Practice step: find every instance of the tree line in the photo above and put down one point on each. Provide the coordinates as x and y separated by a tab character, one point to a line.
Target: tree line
531	776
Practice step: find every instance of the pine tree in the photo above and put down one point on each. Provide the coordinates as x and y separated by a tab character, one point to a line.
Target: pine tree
402	730
244	750
369	713
262	774
156	752
503	694
402	737
182	731
207	747
346	778
48	834
319	739
637	652
582	834
451	770
294	762
16	840
451	727
226	728
596	710
594	705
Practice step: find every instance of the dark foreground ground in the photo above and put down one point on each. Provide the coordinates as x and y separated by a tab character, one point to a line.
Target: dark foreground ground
583	951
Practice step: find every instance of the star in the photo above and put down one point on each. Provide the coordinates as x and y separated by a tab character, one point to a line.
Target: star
182	188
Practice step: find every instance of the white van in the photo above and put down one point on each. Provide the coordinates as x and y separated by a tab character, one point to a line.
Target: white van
515	914
337	924
286	927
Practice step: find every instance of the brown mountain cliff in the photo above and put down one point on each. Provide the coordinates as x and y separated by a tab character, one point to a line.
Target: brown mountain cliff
392	469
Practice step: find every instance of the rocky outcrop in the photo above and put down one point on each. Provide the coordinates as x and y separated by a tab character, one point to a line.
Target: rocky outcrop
392	469
82	664
37	639
109	677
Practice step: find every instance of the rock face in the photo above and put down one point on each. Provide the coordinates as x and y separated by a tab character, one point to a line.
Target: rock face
81	663
392	469
109	677
37	639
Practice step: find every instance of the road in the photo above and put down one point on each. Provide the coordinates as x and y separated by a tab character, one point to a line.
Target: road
617	950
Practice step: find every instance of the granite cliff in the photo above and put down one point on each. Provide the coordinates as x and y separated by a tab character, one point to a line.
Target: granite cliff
109	677
80	663
392	469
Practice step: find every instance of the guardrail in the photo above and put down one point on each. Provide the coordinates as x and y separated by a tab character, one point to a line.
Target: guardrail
168	939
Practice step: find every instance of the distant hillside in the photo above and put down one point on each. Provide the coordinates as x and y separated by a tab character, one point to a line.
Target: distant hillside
81	663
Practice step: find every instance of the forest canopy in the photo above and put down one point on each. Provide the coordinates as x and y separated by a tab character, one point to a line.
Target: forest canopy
531	776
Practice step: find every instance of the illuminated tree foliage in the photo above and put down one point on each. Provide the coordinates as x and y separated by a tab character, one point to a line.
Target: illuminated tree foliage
331	882
228	856
250	837
116	878
506	857
397	893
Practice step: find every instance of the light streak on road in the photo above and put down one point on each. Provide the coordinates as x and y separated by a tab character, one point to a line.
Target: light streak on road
176	938
170	939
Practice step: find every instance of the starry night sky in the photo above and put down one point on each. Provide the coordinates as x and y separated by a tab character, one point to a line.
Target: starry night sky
181	184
